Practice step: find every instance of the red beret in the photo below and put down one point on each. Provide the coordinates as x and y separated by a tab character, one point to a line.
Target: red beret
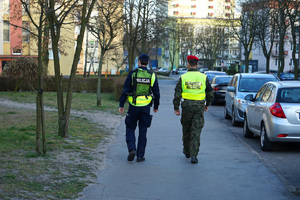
192	58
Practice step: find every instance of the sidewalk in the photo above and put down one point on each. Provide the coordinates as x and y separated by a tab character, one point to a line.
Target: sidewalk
226	168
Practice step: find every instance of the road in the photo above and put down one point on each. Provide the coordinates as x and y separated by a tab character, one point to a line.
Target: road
230	167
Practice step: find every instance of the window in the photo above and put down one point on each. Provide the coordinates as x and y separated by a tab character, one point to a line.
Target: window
267	94
276	62
210	14
259	93
176	5
175	12
17	51
193	13
6	32
193	6
227	7
210	7
227	14
25	33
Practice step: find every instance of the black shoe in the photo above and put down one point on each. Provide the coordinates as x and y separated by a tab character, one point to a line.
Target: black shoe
131	155
194	159
187	155
140	159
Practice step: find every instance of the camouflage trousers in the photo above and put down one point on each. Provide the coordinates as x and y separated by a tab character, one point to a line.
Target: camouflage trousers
192	120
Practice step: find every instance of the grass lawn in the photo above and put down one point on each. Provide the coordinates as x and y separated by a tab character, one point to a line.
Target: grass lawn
70	163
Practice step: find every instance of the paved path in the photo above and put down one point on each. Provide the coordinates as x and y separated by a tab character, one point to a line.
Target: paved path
227	169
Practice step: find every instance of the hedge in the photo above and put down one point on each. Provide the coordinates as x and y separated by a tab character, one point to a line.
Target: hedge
108	85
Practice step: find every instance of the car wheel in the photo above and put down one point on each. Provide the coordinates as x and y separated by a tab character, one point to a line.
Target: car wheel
226	116
233	122
265	143
246	131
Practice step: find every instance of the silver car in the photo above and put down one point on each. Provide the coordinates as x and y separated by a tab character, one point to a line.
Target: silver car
241	85
274	114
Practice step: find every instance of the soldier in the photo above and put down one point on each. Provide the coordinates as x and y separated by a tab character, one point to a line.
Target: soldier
195	90
139	86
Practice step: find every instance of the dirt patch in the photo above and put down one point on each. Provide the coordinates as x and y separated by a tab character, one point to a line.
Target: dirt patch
92	158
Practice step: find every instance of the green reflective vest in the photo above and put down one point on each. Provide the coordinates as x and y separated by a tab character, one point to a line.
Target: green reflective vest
142	81
193	85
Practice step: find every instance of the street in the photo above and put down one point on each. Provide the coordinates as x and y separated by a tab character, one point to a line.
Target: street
230	166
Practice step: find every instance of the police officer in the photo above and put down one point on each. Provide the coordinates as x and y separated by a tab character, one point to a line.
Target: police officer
195	93
139	87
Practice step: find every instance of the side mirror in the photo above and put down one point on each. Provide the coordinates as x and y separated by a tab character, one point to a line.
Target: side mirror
249	97
230	89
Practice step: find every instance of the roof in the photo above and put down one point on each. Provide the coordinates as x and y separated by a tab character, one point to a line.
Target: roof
287	83
251	75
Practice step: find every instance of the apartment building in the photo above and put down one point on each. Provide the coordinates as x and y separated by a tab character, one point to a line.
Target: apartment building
207	13
201	8
14	41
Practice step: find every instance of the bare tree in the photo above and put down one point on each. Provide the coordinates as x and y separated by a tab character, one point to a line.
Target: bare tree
107	27
293	16
38	19
245	30
266	30
60	15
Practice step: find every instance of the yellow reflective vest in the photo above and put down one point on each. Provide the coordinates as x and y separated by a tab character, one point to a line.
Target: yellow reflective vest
142	79
193	85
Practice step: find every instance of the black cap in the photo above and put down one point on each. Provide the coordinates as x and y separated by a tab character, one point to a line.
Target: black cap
144	57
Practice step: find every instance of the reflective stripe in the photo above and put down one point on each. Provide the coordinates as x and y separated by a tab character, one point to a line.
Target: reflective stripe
193	85
140	100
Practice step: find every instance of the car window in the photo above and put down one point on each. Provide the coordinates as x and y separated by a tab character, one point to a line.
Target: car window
268	93
259	93
213	81
224	79
231	83
288	95
253	84
235	82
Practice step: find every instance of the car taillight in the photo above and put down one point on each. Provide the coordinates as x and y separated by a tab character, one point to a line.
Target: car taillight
282	135
277	111
216	88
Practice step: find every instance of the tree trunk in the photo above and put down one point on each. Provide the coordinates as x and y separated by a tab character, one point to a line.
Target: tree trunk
99	79
86	53
268	64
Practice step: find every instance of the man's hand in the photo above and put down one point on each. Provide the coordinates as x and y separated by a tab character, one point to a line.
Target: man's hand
155	110
205	108
121	110
177	112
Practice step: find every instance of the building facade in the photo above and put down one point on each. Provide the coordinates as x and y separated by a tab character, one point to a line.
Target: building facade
205	17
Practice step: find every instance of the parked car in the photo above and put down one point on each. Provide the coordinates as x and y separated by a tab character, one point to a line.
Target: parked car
274	114
165	70
203	70
182	71
287	77
175	71
219	84
241	85
211	74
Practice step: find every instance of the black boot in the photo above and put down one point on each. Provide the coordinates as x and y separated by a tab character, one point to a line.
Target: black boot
194	159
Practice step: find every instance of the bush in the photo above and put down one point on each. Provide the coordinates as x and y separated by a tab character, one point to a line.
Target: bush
80	84
24	71
119	87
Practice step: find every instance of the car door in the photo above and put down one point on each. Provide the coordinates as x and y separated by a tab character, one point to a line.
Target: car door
261	106
229	97
251	108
